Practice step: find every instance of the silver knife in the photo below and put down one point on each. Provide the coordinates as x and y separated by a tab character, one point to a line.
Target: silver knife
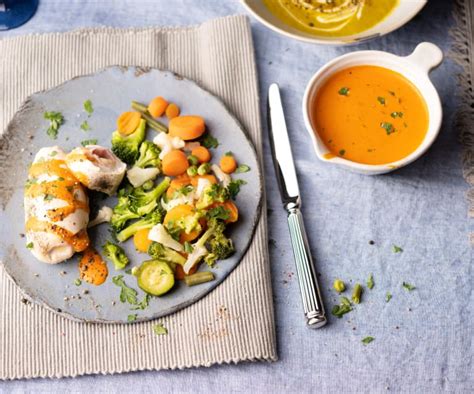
290	195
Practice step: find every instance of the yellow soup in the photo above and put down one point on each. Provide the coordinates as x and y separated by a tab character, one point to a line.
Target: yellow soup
333	18
370	115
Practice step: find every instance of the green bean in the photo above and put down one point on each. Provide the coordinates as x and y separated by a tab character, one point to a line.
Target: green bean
198	278
153	123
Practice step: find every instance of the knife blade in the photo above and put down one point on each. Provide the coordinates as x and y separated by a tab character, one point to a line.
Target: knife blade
290	194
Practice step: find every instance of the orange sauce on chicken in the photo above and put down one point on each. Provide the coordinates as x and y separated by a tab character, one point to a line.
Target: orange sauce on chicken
64	188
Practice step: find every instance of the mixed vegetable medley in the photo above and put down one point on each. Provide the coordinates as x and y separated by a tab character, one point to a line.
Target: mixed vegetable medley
175	202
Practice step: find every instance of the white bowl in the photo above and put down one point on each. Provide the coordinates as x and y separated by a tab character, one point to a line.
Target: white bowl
414	67
401	15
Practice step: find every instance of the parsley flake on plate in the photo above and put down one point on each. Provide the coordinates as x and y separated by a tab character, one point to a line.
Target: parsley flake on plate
242	168
408	287
132	318
89	142
209	141
88	107
388	296
397	249
85	126
56	119
370	282
234	187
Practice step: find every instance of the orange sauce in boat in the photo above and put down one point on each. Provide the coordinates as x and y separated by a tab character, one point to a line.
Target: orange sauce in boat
92	268
370	115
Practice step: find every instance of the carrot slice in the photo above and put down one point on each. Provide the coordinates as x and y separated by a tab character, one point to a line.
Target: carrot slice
141	241
231	208
228	164
92	268
187	127
179	273
179	212
195	179
172	111
127	122
175	163
202	153
157	107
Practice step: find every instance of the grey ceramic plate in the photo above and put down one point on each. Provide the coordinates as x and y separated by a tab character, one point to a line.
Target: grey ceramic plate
111	92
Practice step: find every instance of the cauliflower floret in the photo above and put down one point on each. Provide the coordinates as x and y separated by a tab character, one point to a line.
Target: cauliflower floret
104	215
167	143
159	234
138	176
224	178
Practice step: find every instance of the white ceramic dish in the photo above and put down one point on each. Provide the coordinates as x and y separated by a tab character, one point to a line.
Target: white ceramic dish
401	15
414	67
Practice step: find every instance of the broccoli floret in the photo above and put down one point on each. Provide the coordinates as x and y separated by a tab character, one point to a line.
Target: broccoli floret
149	155
122	212
126	146
116	254
215	227
160	252
221	246
211	194
144	201
148	221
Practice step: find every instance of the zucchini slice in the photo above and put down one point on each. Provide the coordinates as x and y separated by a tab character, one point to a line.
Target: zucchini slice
155	277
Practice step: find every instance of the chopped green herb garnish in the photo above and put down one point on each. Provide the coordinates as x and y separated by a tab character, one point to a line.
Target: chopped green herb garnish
143	304
356	293
209	141
89	142
344	91
218	212
388	127
397	249
88	107
56	119
131	318
229	153
408	286
396	114
78	282
60	179
188	248
48	197
242	168
388	296
53	153
342	152
30	245
85	126
234	187
367	340
127	294
381	100
128	271
343	308
370	282
158	329
391	93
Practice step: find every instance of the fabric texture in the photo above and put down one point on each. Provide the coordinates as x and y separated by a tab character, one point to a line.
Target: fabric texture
463	54
233	323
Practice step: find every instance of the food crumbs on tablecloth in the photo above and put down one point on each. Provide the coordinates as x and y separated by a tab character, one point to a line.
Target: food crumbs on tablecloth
371	242
367	340
339	286
159	329
370	282
78	282
397	249
388	296
356	293
408	287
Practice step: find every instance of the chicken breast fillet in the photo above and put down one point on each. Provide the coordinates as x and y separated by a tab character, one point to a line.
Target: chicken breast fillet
97	168
56	208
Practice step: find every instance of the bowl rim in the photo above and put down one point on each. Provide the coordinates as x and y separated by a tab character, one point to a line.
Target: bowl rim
434	124
339	41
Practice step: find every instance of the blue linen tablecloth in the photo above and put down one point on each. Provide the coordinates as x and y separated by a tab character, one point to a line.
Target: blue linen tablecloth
423	338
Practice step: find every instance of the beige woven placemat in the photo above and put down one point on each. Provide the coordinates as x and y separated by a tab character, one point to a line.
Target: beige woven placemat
235	321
